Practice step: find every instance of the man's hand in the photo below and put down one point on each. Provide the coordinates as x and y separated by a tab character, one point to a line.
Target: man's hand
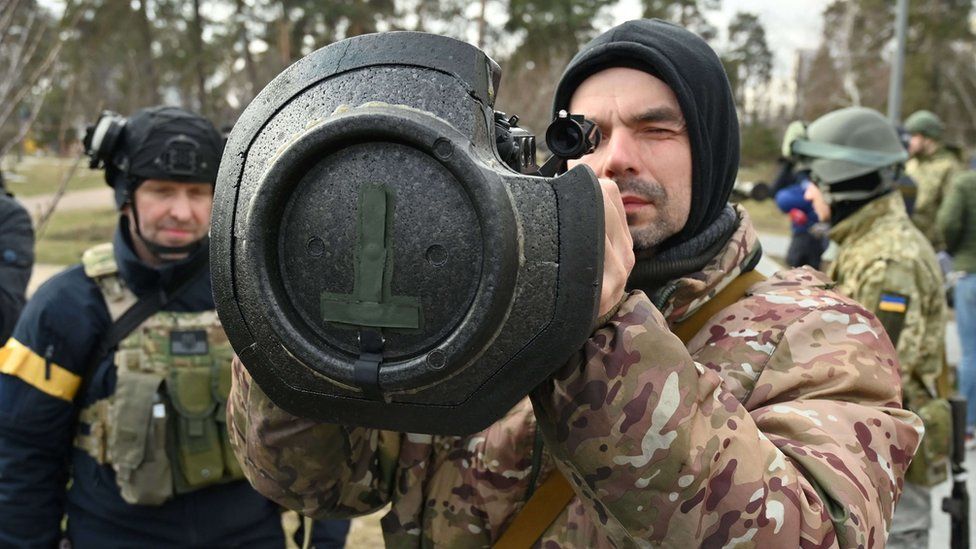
618	254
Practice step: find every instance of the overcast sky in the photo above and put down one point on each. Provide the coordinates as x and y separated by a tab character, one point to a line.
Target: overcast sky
790	24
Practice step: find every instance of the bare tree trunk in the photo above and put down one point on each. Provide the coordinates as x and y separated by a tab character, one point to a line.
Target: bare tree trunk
481	24
284	37
7	16
28	83
245	40
66	116
201	76
149	66
849	77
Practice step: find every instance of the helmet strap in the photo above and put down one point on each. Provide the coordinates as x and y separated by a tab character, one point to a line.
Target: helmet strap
158	250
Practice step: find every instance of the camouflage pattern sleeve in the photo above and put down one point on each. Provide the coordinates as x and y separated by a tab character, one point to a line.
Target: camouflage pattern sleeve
665	451
952	213
933	177
918	331
318	469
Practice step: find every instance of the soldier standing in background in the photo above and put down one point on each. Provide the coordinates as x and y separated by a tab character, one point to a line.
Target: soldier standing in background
885	263
16	259
957	223
117	373
932	166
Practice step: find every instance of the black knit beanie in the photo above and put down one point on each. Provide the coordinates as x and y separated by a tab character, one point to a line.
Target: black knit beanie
686	63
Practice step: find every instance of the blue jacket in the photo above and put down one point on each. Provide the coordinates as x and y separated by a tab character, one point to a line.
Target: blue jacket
46	379
791	197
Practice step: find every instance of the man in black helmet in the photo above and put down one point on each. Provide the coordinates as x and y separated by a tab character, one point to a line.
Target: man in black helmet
706	409
114	383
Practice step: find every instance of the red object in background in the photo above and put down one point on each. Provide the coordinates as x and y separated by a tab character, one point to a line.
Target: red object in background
798	217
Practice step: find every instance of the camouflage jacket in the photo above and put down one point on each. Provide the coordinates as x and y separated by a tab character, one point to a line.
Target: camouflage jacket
882	259
779	425
932	175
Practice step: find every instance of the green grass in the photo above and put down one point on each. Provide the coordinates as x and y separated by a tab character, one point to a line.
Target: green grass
766	217
765	171
42	175
70	233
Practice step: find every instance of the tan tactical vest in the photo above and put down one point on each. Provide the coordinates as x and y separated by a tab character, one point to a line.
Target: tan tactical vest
164	429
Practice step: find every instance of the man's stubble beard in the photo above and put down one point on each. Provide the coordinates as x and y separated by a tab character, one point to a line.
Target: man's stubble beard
647	238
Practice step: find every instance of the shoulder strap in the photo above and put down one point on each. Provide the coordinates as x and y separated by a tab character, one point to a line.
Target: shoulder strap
148	306
734	291
99	260
549	500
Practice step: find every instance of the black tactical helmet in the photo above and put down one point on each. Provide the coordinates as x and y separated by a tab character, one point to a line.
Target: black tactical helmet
926	123
374	260
166	143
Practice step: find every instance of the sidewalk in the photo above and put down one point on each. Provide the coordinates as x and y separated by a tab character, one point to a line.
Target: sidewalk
89	199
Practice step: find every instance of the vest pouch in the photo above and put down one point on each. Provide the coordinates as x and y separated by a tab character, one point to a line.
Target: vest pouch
137	439
931	463
198	447
221	392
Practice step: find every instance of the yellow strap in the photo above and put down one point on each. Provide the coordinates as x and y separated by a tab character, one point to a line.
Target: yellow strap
687	328
18	360
548	502
545	505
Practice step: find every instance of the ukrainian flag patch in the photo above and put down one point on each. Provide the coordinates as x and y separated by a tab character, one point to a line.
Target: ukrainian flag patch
893	303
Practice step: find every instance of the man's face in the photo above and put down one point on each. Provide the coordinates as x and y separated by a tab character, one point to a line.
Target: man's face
645	149
918	144
171	213
815	197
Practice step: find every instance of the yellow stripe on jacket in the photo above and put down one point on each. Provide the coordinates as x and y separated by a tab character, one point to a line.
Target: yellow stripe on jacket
18	360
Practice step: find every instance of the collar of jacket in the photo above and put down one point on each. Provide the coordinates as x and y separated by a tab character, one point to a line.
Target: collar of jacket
685	293
857	225
139	277
940	152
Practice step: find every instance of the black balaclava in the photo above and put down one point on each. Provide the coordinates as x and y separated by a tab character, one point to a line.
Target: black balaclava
686	63
841	210
165	143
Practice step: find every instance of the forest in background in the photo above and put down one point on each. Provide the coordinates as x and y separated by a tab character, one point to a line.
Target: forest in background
61	62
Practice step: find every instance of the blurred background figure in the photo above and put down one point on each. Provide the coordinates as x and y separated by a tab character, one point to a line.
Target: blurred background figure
932	166
808	241
956	223
16	259
808	237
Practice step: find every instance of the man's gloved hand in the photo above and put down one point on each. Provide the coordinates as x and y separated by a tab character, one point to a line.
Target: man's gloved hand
618	254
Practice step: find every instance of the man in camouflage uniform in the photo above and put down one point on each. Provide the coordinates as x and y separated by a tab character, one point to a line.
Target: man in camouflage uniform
126	443
885	263
778	425
932	166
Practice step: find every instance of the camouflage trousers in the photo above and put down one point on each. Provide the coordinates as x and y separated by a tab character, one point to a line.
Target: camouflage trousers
912	520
